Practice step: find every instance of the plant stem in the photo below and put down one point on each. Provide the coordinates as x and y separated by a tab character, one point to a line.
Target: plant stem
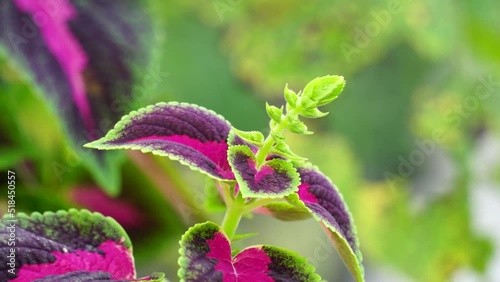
258	203
263	152
233	216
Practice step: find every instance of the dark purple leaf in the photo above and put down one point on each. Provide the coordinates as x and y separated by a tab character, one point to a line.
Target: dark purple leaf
77	276
321	197
86	276
206	256
191	134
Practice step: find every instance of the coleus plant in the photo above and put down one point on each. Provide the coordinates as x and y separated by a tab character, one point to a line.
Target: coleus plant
253	173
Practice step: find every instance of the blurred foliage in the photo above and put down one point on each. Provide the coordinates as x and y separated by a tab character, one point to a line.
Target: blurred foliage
416	78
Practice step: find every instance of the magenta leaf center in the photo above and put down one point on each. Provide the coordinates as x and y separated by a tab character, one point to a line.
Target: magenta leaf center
249	265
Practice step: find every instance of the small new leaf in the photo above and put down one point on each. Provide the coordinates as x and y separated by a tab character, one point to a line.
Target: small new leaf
290	97
299	128
308	103
281	148
292	119
254	137
274	113
277	136
324	89
312	113
296	126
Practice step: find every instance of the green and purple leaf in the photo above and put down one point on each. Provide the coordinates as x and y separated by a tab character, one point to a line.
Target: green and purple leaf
275	178
188	133
235	139
238	137
321	197
84	57
87	276
64	245
206	256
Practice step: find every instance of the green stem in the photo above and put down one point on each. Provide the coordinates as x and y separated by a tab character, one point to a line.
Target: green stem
263	152
233	216
258	203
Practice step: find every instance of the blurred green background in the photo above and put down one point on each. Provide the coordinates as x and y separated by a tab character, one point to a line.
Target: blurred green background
413	142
